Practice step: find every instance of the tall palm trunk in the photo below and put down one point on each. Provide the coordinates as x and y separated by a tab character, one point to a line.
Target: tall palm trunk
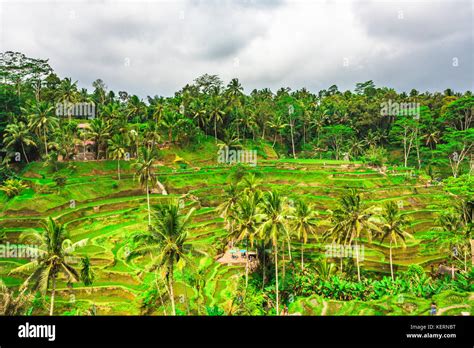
118	168
289	249
283	264
264	267
45	141
53	292
357	261
24	153
247	264
276	280
159	294
215	129
148	203
186	298
170	281
391	262
302	260
465	262
304	133
292	140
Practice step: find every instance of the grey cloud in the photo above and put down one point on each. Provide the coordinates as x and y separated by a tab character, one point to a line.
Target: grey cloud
416	21
277	43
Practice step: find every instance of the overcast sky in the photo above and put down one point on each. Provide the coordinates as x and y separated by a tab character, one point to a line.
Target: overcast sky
156	47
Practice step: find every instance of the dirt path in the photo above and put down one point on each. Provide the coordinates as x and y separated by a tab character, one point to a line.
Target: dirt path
325	308
442	310
162	188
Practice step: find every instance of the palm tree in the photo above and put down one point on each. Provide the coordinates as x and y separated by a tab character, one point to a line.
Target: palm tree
250	183
216	113
393	225
157	109
304	223
41	120
18	133
350	220
53	251
234	90
152	134
12	304
273	228
234	94
168	121
99	130
117	150
246	218
67	90
111	111
164	241
146	175
87	274
225	209
135	108
278	125
455	231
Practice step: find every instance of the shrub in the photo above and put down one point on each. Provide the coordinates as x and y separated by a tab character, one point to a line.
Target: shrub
13	187
376	156
60	180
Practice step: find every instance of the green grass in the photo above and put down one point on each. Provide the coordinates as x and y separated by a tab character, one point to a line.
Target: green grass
108	213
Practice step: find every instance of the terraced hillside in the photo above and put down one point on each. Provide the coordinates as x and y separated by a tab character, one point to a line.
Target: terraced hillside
95	205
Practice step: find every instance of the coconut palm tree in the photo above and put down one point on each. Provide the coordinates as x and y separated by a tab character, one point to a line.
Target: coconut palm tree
225	209
304	223
146	174
393	226
41	120
247	218
87	274
273	228
455	232
111	111
350	221
99	131
216	113
135	109
152	134
12	303
53	249
117	150
68	90
157	108
250	183
164	241
168	121
277	124
17	133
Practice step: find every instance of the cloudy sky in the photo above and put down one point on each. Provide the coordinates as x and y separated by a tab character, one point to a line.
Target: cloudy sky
156	47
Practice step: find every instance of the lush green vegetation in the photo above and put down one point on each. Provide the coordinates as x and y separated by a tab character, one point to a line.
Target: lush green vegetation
139	227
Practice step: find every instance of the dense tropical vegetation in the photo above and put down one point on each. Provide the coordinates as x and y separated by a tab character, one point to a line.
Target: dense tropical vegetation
150	213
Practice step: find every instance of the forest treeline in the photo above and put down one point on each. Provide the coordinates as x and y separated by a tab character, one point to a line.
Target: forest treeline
330	124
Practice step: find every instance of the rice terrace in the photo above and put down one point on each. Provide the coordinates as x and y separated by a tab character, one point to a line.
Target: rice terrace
217	202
